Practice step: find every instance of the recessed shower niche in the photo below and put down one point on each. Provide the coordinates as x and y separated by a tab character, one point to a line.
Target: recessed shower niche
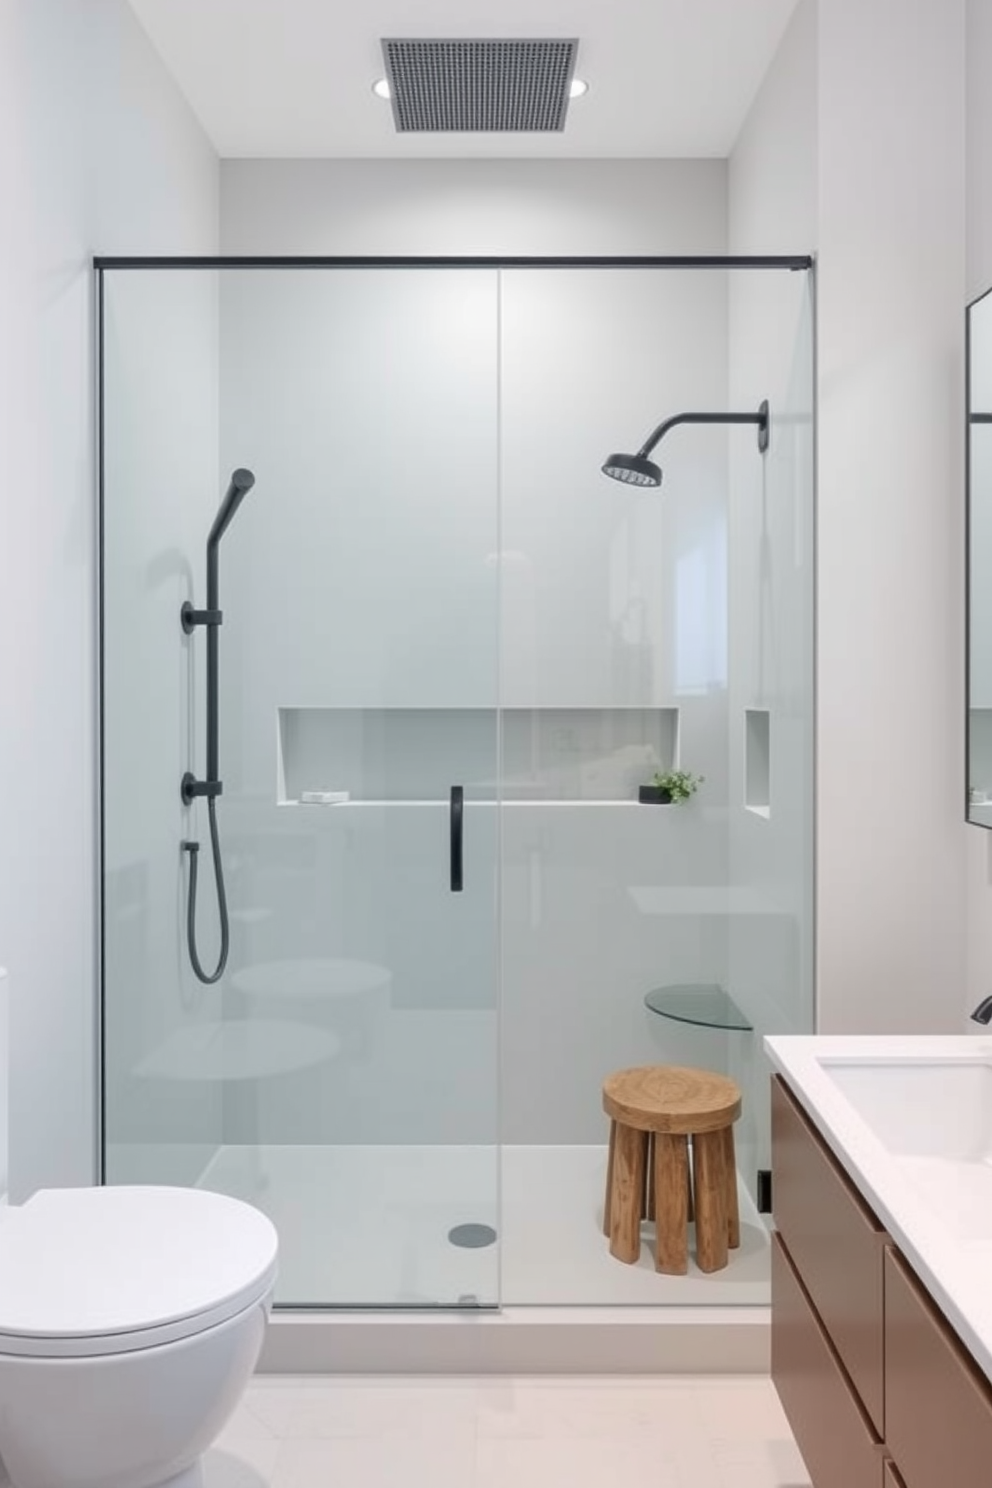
757	761
417	754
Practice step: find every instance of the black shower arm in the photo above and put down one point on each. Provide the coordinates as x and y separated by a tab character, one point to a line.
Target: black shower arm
760	418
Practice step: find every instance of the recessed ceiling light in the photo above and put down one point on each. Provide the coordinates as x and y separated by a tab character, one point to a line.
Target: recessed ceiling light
381	88
577	87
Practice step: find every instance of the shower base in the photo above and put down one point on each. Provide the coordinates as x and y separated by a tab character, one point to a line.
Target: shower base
369	1226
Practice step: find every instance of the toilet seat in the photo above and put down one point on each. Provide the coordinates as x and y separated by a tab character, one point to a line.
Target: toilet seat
93	1271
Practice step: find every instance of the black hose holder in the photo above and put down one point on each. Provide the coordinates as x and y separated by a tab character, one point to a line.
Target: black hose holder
190	788
191	618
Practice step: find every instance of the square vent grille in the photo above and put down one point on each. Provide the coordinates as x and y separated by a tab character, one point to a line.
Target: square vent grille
442	86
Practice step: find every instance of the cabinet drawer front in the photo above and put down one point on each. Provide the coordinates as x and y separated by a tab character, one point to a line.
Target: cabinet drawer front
837	1245
938	1405
833	1435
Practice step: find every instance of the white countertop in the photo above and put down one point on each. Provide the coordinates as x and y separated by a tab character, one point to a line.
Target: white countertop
957	1275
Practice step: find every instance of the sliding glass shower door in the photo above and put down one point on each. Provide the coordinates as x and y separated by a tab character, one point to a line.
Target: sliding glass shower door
450	653
341	1074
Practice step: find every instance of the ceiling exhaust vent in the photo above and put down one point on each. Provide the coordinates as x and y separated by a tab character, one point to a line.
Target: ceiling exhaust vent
479	86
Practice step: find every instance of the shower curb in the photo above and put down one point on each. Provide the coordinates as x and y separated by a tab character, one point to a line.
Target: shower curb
539	1340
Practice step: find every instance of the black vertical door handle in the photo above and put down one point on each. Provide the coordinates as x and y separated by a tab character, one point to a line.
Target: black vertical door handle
457	812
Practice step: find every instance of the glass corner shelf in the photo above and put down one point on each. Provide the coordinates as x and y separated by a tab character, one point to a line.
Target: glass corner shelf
703	1003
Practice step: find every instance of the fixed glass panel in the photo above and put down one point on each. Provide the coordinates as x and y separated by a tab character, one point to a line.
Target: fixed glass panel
341	1074
979	801
770	923
649	628
614	607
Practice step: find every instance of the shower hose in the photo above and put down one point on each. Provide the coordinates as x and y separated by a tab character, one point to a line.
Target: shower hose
193	848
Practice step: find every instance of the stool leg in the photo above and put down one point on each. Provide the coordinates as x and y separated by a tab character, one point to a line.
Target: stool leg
711	1200
647	1212
671	1188
730	1171
627	1196
607	1202
690	1207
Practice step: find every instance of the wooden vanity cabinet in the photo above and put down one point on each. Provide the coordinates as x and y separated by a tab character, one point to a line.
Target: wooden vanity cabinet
835	1436
938	1404
879	1390
836	1244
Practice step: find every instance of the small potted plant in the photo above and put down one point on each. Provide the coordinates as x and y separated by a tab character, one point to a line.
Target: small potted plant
669	788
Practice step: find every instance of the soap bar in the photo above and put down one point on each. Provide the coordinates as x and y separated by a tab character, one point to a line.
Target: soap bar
324	798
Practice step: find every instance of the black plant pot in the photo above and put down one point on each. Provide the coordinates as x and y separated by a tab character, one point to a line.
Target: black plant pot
654	795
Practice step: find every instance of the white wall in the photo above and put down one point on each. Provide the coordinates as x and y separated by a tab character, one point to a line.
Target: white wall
891	284
773	168
451	207
98	154
979	150
876	124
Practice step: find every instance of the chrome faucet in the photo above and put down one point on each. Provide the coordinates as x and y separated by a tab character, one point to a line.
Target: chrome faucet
983	1012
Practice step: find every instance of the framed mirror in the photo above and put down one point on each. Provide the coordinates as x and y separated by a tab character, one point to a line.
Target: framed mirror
978	805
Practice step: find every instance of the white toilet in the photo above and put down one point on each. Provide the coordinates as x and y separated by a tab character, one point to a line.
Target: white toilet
131	1320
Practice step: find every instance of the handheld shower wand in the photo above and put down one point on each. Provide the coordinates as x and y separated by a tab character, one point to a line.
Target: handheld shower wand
212	617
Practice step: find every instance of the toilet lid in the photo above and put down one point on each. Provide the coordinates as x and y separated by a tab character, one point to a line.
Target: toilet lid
131	1266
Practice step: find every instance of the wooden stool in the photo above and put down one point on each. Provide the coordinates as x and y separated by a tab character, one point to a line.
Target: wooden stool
652	1112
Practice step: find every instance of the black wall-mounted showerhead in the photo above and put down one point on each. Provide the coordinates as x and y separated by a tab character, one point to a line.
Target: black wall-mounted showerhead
633	470
638	470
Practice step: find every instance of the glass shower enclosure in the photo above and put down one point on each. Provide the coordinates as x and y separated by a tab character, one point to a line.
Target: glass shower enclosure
449	653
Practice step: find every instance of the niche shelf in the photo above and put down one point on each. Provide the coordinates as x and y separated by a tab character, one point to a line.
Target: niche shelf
980	753
410	755
757	761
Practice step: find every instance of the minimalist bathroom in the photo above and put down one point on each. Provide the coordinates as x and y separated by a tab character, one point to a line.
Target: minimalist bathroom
496	899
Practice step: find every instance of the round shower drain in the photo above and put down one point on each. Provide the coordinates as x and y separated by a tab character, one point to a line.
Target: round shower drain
472	1236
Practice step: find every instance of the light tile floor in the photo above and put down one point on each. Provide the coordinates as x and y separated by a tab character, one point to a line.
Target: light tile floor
672	1432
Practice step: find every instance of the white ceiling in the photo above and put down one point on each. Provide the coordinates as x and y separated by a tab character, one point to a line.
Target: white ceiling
293	77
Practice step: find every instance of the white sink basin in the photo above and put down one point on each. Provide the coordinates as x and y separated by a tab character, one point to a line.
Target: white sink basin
922	1108
934	1118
